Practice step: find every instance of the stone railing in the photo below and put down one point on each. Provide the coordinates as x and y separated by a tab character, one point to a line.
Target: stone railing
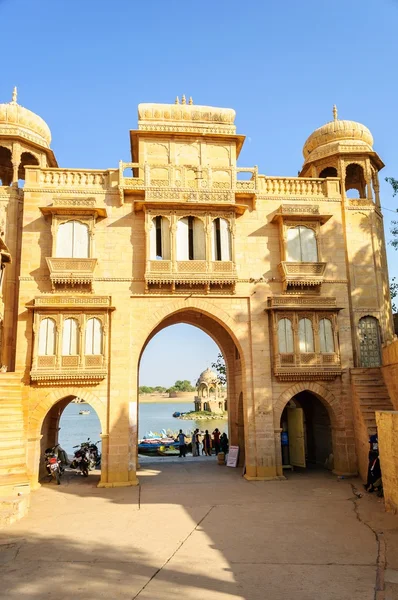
89	179
189	269
291	186
307	365
86	367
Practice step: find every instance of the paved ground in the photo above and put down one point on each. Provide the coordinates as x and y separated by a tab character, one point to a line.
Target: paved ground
194	530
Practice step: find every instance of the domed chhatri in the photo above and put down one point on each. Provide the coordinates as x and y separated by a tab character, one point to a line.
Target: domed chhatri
17	120
207	376
338	130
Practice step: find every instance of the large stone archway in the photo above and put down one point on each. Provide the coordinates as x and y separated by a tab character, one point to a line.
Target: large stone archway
44	420
222	329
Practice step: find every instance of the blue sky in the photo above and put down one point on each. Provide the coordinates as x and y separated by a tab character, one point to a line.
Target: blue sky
85	65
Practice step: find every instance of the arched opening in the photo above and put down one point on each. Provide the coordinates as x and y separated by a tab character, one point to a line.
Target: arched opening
159	400
306	438
5	166
221	240
369	342
301	244
27	159
160	239
73	240
355	183
328	172
69	422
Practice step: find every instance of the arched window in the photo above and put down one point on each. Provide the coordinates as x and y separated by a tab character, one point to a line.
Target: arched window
326	341
301	244
72	240
285	336
93	336
160	239
69	338
191	240
355	183
306	336
221	242
47	337
328	172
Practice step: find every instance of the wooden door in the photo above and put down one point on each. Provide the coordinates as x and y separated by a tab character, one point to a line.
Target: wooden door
295	423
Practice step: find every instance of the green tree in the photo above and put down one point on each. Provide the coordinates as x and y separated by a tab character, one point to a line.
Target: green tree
394	243
220	368
184	386
144	389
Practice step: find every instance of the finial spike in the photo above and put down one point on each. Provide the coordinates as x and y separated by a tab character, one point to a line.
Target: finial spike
14	95
334	112
184	100
190	100
177	100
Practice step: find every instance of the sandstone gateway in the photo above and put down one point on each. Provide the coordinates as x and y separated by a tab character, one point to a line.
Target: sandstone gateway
287	274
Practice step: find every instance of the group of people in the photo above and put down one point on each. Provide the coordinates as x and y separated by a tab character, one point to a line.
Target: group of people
203	443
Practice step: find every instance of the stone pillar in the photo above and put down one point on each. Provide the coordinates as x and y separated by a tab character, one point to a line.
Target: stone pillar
33	454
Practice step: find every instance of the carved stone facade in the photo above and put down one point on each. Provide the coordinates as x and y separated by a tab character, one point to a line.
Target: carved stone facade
279	271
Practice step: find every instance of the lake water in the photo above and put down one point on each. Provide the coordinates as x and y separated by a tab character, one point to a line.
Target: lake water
75	428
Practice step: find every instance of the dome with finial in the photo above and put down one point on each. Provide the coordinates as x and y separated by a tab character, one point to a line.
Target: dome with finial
17	120
208	377
337	132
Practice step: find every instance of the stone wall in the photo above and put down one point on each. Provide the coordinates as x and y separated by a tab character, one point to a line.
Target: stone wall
387	425
390	371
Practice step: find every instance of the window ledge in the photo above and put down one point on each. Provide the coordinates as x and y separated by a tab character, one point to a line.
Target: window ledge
42	376
71	270
302	274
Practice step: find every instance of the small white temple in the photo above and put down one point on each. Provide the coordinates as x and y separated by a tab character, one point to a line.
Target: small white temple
209	393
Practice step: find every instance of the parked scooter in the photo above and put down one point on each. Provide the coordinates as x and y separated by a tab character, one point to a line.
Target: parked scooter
54	462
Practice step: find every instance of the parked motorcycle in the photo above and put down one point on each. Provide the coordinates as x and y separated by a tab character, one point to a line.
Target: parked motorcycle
81	460
94	456
54	463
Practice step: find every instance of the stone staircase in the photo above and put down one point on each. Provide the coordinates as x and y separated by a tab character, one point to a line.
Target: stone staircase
369	394
372	393
14	483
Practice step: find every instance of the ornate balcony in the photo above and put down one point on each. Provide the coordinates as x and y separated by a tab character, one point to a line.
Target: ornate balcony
190	271
302	274
71	271
84	369
311	365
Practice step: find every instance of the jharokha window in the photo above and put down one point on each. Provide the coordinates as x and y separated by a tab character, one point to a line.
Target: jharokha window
160	239
93	337
221	240
72	240
301	244
285	336
306	336
46	338
70	338
326	341
191	239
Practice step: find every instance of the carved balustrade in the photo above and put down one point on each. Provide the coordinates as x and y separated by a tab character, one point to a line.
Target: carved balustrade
302	274
309	365
71	270
190	270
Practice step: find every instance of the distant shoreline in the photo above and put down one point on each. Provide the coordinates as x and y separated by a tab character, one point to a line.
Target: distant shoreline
153	399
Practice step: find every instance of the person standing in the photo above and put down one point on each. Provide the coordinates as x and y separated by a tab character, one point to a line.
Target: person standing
224	443
181	443
194	445
207	443
197	442
216	439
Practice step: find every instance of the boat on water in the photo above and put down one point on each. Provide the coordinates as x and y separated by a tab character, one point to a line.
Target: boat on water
154	445
84	412
178	414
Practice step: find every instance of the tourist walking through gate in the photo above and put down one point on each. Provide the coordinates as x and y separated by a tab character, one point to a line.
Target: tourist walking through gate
216	439
224	443
181	443
207	443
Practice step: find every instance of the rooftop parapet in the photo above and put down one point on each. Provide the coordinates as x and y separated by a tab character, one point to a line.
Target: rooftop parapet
186	117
